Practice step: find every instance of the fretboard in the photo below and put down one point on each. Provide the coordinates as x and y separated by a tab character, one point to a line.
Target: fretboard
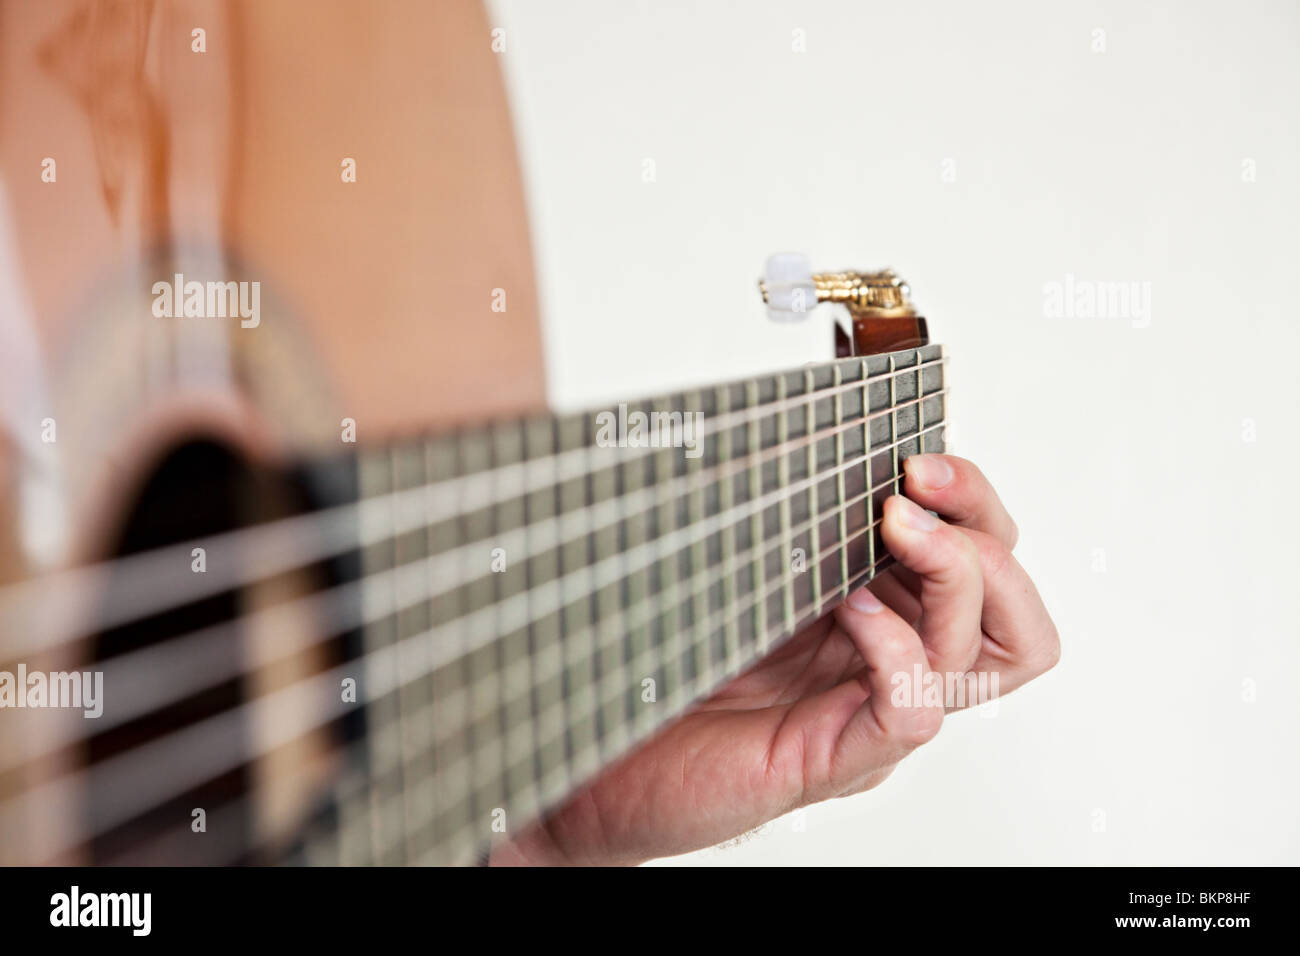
582	584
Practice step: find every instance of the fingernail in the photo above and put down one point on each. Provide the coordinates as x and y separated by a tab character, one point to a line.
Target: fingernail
863	600
914	516
930	471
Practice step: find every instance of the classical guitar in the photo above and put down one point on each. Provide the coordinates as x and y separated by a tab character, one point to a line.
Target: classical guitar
294	567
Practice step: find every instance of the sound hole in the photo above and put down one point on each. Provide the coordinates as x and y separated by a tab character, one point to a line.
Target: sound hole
202	489
199	489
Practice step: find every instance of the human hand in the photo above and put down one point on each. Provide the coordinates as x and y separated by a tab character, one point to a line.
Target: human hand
820	717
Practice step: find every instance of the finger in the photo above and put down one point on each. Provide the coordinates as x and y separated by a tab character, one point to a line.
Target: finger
1021	640
868	782
899	589
892	654
951	586
958	490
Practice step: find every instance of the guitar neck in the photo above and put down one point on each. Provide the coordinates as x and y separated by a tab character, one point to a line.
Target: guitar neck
583	579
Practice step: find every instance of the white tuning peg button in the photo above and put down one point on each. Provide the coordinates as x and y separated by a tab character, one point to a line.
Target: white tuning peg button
788	287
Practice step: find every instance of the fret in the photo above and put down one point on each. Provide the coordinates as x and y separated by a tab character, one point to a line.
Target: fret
726	641
736	486
933	409
714	544
868	447
800	497
842	536
907	413
883	467
579	554
795	511
731	638
344	836
896	467
547	692
814	493
787	597
636	639
398	745
413	702
702	668
387	828
484	678
668	465
454	829
607	601
852	440
611	633
829	499
519	796
756	521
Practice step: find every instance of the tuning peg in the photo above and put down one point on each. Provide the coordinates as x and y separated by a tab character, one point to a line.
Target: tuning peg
791	290
788	287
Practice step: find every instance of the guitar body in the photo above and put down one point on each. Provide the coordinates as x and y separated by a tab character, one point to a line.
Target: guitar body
265	285
376	295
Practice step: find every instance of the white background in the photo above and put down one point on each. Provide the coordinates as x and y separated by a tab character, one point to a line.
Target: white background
1114	445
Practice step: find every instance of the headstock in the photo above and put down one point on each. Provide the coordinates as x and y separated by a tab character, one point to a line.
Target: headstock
878	303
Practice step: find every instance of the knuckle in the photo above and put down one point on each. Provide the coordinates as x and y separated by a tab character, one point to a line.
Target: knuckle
896	643
965	469
966	550
970	479
983	499
994	556
972	649
922	727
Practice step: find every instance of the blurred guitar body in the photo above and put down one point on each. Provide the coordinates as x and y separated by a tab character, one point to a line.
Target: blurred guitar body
234	164
276	471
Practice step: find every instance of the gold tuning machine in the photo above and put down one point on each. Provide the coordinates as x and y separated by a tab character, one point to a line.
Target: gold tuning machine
791	290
